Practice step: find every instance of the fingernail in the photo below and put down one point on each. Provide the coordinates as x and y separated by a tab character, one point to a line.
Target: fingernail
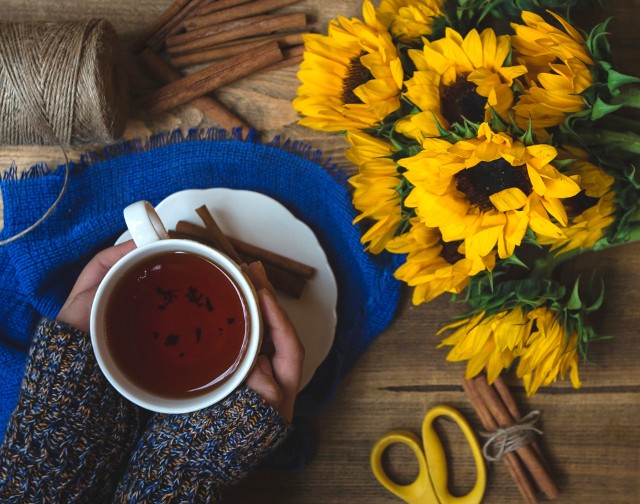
261	269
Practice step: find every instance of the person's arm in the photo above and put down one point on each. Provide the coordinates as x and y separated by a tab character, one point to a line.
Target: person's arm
71	433
193	457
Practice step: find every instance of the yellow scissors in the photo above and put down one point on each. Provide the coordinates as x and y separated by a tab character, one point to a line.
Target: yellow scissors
431	485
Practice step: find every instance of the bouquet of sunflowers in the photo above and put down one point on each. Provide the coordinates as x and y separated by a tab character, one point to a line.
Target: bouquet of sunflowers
482	134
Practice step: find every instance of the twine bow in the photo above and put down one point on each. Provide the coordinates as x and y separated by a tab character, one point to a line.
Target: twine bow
508	439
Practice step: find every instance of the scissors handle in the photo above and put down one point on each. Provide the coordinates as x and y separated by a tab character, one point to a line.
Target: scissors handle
420	490
437	461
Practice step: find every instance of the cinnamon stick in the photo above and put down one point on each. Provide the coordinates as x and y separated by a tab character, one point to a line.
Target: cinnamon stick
499	411
175	26
511	461
291	56
217	5
232	48
207	31
214	230
241	11
161	71
213	77
271	24
283	280
186	229
266	256
169	13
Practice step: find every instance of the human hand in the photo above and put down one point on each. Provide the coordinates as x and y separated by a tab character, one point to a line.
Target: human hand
278	370
76	310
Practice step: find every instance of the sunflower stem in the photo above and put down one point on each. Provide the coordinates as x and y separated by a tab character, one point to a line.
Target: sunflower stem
628	97
617	122
627	141
545	266
633	236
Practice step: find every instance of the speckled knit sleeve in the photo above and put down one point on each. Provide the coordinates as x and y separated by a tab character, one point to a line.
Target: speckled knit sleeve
191	458
71	432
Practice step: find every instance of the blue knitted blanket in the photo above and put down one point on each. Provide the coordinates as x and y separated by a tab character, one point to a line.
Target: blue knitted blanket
38	270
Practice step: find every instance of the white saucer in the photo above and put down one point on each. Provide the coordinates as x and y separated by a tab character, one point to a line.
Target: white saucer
262	221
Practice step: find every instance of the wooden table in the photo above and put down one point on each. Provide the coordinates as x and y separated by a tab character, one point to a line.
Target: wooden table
592	436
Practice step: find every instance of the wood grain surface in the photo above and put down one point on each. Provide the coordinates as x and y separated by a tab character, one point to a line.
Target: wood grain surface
591	436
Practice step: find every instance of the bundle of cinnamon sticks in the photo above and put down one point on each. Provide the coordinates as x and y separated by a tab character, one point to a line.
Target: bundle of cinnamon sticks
527	465
231	38
286	274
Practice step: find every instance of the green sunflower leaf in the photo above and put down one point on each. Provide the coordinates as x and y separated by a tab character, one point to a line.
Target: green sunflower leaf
616	79
601	109
574	302
597	304
597	42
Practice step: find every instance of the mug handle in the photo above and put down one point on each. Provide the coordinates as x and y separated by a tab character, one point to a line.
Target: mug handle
144	224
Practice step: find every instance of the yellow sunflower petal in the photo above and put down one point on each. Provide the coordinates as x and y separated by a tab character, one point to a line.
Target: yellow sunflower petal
509	199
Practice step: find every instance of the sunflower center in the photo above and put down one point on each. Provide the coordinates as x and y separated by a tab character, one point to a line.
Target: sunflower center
577	204
357	74
460	100
486	178
450	252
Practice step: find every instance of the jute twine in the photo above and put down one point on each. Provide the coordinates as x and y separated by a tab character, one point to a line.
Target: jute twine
61	83
508	439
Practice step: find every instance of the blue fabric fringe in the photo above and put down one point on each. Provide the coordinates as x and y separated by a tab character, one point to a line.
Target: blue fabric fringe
38	270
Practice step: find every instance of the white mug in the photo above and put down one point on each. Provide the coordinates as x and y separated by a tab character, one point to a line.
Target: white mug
152	239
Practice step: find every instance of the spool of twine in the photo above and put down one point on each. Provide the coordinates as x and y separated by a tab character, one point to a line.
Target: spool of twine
61	83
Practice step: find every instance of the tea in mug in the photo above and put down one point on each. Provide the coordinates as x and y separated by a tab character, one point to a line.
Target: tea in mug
176	324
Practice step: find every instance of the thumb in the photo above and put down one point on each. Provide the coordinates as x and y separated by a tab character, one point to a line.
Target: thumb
261	380
77	310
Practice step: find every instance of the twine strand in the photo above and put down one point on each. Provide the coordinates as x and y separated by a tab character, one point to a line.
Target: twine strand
61	84
49	211
508	439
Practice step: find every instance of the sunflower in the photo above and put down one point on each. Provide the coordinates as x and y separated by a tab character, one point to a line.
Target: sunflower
459	78
409	19
487	191
549	352
559	70
537	339
591	211
350	78
433	266
375	188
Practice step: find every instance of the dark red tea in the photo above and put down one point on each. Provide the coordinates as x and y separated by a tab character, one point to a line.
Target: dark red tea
176	324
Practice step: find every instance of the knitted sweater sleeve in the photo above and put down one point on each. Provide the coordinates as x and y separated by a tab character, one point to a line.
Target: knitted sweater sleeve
71	433
192	457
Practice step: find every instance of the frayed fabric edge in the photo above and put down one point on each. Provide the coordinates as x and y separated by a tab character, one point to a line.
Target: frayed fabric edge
163	139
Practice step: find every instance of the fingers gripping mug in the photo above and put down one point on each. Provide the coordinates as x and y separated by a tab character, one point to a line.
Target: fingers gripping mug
175	325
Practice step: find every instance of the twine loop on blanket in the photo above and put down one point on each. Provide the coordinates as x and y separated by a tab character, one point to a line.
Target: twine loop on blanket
61	83
507	439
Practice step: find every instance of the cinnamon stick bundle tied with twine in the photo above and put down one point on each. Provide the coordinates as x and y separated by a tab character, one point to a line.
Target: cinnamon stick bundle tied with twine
523	458
62	83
